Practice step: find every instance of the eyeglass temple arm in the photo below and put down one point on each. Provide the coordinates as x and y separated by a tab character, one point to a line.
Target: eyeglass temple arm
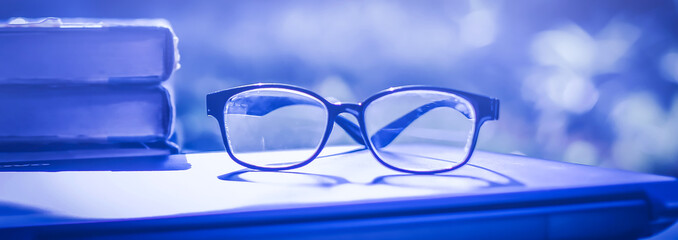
387	134
263	105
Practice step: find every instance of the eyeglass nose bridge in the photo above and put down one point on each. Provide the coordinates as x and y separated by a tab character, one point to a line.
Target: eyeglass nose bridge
350	108
349	126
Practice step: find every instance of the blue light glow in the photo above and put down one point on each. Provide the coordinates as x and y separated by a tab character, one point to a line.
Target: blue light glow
586	83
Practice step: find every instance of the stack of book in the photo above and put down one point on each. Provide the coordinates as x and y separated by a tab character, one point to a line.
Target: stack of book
82	88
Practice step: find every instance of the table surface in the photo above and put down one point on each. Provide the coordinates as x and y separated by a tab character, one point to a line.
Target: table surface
208	182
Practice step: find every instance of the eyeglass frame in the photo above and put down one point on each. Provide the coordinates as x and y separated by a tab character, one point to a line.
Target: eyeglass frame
485	109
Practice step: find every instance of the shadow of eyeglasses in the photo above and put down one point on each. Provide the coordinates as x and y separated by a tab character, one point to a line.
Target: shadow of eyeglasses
430	181
438	181
446	181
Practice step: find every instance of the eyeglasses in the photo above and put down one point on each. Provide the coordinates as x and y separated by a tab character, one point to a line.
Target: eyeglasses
413	129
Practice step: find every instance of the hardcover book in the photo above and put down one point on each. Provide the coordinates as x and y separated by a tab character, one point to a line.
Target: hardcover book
84	114
54	50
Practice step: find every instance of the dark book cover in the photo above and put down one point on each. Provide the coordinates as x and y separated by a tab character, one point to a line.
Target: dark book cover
86	113
54	50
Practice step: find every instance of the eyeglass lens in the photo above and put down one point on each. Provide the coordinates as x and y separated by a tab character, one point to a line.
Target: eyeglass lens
420	130
273	127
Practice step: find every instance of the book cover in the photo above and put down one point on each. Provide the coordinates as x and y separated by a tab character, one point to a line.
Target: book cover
84	114
54	50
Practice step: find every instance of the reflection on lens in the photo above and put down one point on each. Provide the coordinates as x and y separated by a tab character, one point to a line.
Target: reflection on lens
274	128
420	130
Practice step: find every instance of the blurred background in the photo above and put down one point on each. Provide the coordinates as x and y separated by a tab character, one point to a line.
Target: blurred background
589	82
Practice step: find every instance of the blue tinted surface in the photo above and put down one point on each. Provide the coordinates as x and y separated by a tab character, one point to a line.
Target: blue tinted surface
585	82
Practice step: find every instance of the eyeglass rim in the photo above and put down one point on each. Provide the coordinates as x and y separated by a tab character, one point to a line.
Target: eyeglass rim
485	109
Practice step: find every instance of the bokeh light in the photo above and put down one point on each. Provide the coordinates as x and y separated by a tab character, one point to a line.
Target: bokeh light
585	82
